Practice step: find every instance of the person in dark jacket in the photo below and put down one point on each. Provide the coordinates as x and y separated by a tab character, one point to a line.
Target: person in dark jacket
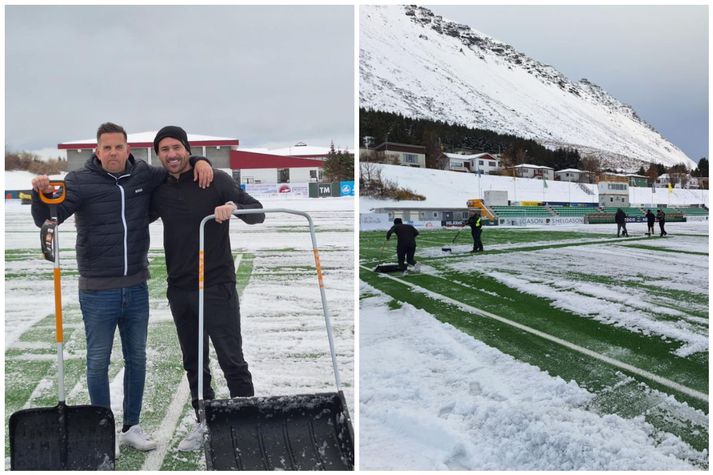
476	228
182	204
620	218
405	243
109	198
650	220
661	216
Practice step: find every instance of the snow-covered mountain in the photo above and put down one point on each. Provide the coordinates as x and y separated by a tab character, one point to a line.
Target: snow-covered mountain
421	65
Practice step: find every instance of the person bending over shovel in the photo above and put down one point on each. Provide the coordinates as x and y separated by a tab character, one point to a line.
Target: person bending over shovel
182	204
110	197
476	229
405	243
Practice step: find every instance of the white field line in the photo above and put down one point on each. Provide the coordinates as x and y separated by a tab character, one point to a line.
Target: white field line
238	258
166	429
611	361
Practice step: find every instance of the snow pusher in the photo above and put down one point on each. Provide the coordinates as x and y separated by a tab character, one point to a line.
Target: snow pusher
61	437
385	268
448	248
293	432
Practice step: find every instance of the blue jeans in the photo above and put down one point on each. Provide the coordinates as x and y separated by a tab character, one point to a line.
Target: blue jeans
103	311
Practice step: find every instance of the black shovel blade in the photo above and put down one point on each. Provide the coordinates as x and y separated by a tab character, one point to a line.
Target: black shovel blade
387	268
62	438
302	432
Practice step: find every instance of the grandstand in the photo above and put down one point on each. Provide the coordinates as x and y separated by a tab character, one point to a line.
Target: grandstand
692	211
574	210
521	211
629	211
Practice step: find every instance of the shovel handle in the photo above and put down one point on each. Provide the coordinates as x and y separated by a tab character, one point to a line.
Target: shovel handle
57	199
201	284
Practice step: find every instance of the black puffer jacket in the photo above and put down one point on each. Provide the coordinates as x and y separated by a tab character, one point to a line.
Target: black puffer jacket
112	219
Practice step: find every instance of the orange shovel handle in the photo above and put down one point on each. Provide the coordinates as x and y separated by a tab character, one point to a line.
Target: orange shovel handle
58	199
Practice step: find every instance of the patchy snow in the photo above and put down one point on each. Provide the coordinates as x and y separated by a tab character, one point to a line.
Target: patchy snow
282	324
434	398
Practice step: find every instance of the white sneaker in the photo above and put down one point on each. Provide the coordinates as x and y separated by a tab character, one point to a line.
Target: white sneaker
194	440
137	438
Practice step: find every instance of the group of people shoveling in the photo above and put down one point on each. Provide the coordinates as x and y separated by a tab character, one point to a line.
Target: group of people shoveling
406	235
651	218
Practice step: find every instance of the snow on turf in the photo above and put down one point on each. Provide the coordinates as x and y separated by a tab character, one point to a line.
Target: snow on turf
434	398
283	328
548	273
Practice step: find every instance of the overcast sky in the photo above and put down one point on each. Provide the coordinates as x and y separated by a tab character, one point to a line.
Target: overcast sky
268	76
654	58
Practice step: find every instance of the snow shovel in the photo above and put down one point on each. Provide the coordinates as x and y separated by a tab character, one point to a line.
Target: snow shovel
296	432
448	248
61	437
385	268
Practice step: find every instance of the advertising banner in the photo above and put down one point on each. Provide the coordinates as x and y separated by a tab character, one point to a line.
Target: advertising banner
346	188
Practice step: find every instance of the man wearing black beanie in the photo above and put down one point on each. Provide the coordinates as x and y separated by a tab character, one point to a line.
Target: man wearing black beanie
173	132
182	204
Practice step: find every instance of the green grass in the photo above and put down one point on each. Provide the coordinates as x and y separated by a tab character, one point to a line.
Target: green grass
615	392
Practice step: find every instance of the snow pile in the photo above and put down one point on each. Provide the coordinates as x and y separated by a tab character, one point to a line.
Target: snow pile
434	398
420	65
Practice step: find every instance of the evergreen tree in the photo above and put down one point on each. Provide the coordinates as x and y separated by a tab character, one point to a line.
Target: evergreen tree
338	166
702	169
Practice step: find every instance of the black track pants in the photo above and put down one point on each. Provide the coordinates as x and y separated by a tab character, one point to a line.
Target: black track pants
221	312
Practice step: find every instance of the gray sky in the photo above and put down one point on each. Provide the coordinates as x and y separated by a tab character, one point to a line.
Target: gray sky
654	58
268	76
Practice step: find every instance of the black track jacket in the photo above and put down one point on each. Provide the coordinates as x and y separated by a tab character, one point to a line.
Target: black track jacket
182	205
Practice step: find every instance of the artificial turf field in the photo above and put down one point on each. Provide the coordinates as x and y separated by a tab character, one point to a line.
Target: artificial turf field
283	329
462	289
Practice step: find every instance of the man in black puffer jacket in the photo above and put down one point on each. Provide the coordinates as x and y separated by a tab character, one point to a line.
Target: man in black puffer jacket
110	198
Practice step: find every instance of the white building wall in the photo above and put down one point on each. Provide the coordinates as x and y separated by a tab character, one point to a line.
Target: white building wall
301	175
258	175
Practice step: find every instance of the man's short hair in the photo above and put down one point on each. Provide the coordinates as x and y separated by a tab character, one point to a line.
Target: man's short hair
398	221
110	128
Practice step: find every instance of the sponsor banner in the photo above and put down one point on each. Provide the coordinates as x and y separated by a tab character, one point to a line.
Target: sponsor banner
696	218
275	189
374	222
541	221
455	223
426	224
346	188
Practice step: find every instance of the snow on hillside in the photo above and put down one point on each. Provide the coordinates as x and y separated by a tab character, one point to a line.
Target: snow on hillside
418	64
453	189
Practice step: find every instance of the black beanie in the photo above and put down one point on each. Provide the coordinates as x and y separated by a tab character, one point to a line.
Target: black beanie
174	132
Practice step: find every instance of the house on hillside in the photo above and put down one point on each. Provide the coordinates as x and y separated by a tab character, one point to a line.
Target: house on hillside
538	172
637	180
480	163
398	153
574	175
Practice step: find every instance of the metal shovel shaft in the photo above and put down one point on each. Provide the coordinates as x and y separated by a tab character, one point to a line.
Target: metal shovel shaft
201	278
